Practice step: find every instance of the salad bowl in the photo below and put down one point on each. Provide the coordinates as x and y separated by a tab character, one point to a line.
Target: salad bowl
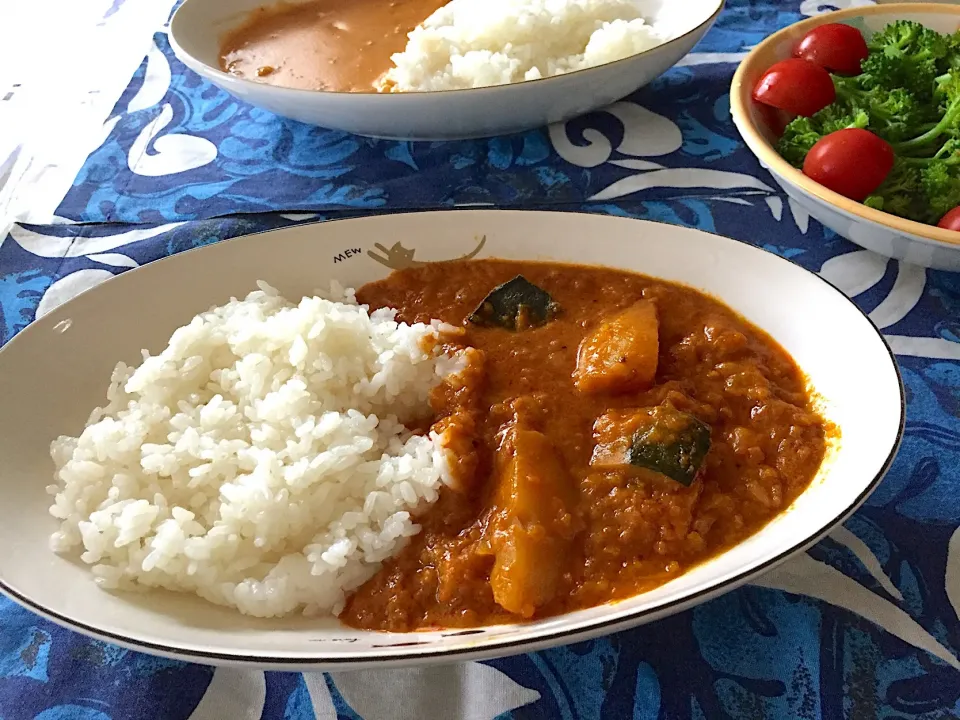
886	234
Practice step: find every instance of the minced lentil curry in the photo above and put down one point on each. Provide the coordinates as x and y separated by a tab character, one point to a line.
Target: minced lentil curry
611	431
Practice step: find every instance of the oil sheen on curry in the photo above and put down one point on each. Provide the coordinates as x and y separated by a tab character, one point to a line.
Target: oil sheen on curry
611	431
330	45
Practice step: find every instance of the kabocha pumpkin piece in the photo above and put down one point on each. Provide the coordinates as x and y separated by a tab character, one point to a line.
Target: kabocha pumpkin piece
661	439
516	305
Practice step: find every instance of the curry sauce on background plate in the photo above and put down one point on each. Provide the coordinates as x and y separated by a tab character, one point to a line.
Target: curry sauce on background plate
330	45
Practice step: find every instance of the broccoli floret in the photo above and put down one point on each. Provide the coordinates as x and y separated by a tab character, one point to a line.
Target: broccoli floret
895	114
948	126
900	193
905	54
798	137
952	59
940	180
835	117
921	189
802	133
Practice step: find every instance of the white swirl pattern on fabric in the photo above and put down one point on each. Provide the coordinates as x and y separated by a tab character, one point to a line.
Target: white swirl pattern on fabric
68	287
172	153
645	134
233	693
470	691
156	81
805	576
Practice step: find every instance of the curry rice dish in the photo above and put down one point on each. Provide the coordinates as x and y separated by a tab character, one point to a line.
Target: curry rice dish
459	444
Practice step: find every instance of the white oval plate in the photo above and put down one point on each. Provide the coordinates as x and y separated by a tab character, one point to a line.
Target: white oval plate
198	26
55	371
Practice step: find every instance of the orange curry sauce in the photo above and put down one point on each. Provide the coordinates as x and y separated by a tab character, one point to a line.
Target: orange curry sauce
524	436
331	45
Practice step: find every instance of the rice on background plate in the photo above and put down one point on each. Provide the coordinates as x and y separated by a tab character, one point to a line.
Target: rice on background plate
478	43
259	461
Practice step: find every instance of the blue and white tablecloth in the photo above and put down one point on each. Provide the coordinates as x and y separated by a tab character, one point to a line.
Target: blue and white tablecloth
865	625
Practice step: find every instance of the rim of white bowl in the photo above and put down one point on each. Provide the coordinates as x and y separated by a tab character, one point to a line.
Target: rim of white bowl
493	648
193	63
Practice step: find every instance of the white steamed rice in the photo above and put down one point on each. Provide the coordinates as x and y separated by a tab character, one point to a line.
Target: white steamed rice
477	43
259	461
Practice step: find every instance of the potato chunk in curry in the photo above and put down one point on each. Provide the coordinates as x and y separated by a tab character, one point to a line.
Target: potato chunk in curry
620	355
533	523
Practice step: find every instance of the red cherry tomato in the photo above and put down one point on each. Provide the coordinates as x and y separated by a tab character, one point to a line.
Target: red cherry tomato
775	119
852	162
951	221
797	86
834	46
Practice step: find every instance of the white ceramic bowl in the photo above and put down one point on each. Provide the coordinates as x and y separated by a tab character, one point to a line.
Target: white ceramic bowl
881	232
55	372
198	26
